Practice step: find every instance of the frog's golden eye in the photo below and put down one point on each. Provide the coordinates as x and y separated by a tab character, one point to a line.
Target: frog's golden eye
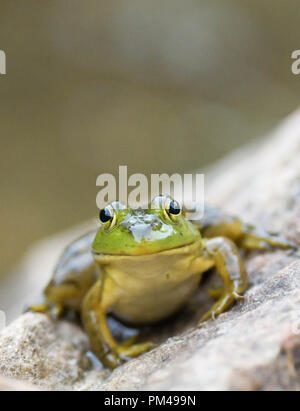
108	217
173	209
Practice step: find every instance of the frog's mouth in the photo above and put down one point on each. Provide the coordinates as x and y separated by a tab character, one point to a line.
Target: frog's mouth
184	249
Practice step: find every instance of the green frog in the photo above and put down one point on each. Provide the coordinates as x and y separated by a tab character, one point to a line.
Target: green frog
143	265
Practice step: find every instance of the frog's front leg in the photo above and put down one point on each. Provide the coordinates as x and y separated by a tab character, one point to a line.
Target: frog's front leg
102	296
230	267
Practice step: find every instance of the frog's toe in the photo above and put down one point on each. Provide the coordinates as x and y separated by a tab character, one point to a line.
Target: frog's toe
238	296
280	242
52	309
223	304
112	360
259	240
209	315
134	350
124	352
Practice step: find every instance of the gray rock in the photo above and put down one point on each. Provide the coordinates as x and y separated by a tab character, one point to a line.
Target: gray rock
51	355
254	346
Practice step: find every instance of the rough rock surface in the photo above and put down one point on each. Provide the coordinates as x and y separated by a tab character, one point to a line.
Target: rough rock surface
46	353
254	346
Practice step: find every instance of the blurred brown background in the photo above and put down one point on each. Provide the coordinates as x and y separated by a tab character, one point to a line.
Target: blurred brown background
160	86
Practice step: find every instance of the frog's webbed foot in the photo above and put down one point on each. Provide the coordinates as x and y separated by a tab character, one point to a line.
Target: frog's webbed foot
54	310
124	352
224	301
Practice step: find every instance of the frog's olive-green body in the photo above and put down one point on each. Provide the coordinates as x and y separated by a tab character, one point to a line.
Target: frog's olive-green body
144	265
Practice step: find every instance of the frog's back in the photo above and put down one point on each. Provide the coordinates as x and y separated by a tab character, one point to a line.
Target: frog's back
75	259
75	270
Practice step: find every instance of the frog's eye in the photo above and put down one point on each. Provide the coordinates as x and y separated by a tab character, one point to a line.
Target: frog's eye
173	209
108	217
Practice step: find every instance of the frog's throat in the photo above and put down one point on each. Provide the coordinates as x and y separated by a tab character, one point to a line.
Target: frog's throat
183	249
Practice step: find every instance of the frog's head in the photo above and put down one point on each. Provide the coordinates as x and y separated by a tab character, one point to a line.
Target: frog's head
162	226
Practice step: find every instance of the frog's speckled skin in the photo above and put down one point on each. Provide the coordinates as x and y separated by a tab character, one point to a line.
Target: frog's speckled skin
144	266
